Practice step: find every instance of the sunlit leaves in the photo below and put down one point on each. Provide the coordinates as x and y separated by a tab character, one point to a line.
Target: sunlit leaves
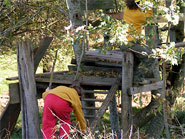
116	30
170	14
169	53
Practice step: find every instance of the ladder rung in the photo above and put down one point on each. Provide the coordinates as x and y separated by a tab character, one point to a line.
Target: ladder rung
92	99
98	92
91	108
86	116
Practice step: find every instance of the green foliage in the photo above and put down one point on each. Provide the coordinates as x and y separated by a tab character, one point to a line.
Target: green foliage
8	3
116	30
8	68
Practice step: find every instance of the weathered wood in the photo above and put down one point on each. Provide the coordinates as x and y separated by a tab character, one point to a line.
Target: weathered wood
88	102
85	68
14	93
97	4
46	74
106	64
96	62
29	105
105	104
8	119
44	44
111	56
114	117
145	88
85	80
96	92
180	44
126	102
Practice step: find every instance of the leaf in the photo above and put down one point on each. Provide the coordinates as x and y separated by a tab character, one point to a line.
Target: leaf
8	3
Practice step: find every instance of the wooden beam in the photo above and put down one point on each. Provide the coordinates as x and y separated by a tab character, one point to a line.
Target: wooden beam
126	100
85	80
44	44
111	56
8	119
29	105
85	68
146	88
105	104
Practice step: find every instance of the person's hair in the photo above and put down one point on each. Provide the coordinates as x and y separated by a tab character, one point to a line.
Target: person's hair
131	4
76	85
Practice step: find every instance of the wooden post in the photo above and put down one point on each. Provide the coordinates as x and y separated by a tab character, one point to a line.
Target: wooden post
114	117
126	102
29	105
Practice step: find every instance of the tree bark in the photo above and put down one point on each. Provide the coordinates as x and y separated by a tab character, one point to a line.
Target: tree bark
75	21
29	105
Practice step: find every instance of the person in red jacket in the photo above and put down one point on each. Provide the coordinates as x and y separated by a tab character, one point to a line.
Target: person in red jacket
58	104
135	16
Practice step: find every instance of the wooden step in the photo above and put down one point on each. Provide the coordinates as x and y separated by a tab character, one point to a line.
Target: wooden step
91	108
92	99
95	92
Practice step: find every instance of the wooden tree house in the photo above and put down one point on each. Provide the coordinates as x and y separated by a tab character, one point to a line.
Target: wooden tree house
119	63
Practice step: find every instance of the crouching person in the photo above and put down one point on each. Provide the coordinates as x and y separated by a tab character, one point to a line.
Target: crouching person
58	104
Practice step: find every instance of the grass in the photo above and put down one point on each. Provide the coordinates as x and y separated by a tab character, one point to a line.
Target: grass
8	68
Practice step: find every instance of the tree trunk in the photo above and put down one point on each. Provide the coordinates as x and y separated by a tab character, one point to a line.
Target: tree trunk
154	130
75	21
29	105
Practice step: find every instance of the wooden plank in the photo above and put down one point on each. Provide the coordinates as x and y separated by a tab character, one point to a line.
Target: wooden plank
14	93
126	102
8	119
44	44
85	80
115	56
107	58
97	4
45	74
108	64
29	105
85	68
105	104
145	88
